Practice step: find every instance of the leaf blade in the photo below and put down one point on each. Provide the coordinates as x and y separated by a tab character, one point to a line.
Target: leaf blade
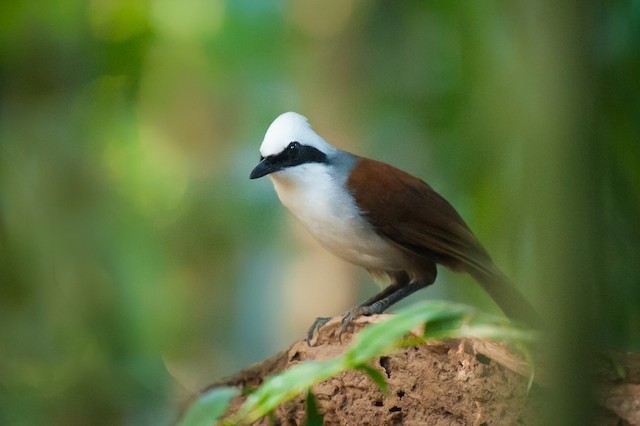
209	407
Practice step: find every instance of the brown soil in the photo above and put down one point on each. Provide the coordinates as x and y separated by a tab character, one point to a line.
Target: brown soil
453	382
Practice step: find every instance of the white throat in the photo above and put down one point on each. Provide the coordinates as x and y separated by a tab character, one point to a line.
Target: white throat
317	197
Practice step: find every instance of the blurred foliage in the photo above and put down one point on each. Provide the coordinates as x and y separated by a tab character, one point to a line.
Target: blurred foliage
138	263
209	407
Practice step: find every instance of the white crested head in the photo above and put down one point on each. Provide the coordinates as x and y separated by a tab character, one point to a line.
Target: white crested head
292	127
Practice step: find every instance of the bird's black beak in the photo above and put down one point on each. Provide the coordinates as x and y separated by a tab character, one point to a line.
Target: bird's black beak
264	167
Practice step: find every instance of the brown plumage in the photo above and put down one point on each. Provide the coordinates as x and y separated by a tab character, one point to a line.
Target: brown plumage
409	213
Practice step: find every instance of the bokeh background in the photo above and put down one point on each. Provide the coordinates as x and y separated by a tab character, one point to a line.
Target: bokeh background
138	263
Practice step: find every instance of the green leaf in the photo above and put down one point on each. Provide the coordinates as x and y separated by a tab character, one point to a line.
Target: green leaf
287	385
314	416
381	338
209	407
375	376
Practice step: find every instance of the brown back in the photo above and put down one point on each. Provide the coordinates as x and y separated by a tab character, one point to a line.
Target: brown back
408	212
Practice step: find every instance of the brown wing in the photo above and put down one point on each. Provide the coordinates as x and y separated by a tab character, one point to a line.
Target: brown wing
412	215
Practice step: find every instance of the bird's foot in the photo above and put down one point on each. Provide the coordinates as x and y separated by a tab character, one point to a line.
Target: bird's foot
315	327
347	318
354	313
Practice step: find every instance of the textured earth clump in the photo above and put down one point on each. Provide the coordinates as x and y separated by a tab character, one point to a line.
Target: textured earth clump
452	382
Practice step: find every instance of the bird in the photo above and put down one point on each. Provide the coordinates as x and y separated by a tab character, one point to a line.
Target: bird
376	216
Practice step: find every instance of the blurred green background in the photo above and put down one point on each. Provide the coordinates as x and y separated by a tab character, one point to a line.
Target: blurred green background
138	263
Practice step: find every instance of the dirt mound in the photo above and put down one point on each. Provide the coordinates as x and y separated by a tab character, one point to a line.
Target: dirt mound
454	382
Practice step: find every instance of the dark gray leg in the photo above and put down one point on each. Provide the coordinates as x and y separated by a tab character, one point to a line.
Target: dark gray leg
400	279
426	277
381	305
396	291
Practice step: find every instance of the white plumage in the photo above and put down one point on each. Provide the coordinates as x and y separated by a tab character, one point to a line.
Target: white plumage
316	194
288	127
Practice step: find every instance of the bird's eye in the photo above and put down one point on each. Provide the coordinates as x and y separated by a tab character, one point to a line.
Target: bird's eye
294	148
261	157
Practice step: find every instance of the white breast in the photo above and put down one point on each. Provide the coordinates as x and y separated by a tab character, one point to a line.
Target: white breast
329	212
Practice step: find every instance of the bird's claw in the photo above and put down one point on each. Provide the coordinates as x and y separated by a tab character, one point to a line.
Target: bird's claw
347	318
315	327
350	316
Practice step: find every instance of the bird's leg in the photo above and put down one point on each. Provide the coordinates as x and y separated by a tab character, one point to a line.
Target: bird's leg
400	280
381	304
388	290
400	288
